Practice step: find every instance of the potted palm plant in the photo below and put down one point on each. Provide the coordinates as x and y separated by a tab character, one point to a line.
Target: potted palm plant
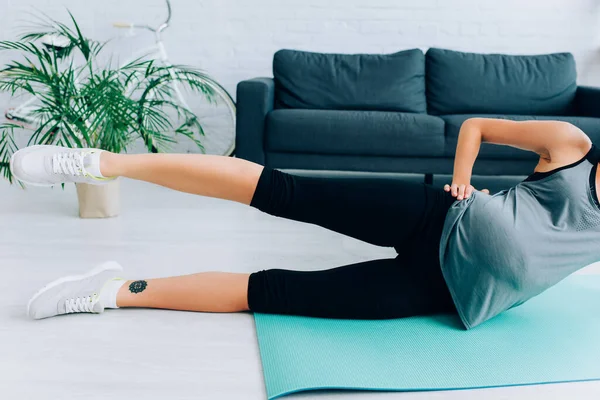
77	101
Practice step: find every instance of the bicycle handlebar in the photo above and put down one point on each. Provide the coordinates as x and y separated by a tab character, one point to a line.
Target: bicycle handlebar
122	24
160	28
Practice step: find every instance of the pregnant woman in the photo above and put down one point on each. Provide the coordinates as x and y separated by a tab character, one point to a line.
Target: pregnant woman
459	250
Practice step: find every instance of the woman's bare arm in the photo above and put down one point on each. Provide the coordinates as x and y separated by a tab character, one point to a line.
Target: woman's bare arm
558	143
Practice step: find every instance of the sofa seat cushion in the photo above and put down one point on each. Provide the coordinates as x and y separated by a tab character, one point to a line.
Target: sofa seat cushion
461	83
381	82
377	133
591	126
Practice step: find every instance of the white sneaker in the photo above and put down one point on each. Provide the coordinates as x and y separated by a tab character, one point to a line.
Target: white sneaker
52	165
74	294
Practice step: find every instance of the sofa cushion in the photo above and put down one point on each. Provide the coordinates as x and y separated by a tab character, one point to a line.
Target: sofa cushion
376	133
390	82
591	126
461	83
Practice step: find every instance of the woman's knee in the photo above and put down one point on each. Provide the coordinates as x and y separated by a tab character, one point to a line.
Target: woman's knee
274	191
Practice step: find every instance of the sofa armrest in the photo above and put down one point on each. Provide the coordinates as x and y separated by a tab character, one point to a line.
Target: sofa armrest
255	99
587	101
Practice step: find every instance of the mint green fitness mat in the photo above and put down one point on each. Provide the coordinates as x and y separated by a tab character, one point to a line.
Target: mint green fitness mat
555	337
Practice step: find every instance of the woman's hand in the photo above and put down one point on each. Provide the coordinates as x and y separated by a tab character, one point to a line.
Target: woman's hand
462	191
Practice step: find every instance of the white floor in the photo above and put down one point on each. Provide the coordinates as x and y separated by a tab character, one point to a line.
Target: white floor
149	354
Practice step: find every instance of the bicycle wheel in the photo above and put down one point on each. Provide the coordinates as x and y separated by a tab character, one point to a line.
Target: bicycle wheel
216	115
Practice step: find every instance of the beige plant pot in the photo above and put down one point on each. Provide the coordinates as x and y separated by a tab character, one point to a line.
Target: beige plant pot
101	201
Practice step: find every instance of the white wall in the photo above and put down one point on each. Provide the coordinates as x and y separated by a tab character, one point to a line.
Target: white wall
235	39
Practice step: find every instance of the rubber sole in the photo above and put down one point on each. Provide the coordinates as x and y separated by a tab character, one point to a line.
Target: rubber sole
107	266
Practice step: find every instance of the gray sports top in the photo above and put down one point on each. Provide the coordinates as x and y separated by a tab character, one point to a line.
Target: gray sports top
499	251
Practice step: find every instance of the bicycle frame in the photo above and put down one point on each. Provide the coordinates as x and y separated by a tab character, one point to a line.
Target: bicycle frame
158	48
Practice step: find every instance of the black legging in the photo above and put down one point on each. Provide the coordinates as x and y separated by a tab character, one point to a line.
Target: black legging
404	215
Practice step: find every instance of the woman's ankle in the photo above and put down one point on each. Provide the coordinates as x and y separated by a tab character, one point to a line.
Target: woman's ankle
109	164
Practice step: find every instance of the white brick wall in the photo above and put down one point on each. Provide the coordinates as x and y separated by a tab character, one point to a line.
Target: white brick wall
235	39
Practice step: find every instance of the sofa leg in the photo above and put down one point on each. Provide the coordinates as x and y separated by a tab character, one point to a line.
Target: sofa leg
429	179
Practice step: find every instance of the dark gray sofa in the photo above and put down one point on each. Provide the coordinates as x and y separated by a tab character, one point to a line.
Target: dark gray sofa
402	112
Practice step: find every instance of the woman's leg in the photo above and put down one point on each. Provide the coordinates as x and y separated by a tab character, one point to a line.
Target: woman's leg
378	289
384	212
206	175
206	291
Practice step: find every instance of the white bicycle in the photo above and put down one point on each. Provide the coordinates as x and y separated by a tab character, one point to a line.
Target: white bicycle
216	117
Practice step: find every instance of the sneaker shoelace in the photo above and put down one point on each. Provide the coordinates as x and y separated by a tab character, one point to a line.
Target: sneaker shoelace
70	163
81	304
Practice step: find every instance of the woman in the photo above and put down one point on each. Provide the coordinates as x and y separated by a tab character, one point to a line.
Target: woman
459	250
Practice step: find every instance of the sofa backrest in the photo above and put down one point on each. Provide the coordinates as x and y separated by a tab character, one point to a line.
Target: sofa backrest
462	83
390	82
